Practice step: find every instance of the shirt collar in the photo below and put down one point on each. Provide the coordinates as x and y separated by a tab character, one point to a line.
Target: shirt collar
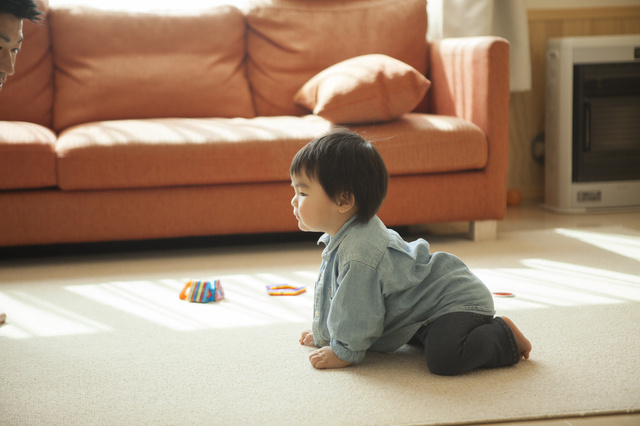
333	243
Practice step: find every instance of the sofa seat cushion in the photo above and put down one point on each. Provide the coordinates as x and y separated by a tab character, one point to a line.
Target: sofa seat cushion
424	143
121	65
176	152
290	41
27	156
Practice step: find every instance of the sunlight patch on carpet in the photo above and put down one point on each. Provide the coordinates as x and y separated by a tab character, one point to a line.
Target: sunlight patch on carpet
33	316
536	283
539	284
624	245
546	283
246	302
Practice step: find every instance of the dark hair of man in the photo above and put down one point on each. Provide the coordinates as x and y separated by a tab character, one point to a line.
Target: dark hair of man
342	161
21	9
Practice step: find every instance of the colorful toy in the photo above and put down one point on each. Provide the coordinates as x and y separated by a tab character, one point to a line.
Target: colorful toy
202	291
504	294
285	290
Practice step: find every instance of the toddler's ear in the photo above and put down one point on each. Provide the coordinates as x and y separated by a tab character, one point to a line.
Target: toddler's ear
347	202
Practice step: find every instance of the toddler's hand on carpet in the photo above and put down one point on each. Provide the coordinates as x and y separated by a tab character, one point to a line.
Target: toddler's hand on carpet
326	358
307	338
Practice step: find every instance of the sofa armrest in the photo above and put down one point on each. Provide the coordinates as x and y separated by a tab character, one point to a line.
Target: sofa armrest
470	80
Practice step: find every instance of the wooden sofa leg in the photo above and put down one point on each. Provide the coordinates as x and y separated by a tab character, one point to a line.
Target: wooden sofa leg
483	230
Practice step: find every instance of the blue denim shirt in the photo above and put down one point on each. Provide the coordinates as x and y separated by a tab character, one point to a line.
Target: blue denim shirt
375	290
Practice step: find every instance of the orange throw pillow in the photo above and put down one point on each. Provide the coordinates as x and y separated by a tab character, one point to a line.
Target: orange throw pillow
364	89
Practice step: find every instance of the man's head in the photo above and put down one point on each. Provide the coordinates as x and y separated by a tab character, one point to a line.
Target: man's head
344	163
12	12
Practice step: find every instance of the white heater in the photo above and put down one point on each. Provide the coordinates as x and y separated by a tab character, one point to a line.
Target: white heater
592	143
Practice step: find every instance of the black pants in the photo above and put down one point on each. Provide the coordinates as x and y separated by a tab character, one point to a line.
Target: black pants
459	342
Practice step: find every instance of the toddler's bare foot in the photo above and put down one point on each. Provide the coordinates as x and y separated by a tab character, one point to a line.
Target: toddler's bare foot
523	343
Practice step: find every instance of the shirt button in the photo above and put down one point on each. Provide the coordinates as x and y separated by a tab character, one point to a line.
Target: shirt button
317	314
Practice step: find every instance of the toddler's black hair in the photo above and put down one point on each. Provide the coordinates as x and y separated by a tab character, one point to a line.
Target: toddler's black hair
343	161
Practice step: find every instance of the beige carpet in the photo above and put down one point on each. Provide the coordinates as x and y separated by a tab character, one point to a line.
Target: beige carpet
104	340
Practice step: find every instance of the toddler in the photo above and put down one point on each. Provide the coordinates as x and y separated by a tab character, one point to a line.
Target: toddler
374	290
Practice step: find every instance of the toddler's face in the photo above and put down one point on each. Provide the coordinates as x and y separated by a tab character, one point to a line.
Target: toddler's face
313	208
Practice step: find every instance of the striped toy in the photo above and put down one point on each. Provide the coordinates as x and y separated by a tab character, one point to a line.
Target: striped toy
202	291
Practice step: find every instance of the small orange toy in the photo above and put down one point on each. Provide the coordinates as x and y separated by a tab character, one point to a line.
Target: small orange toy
285	290
514	197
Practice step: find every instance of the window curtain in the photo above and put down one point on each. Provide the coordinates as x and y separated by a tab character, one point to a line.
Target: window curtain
502	18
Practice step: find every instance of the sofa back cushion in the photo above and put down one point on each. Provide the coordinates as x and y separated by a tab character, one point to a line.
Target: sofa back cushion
28	94
290	41
120	65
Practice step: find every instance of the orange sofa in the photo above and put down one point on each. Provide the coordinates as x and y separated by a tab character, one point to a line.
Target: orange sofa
123	126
